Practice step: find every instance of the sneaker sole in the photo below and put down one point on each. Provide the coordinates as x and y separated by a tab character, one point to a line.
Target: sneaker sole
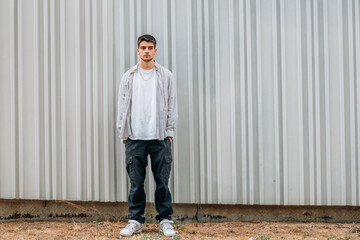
125	235
167	235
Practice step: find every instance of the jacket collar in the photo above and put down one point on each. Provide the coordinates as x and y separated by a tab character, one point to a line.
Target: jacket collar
135	68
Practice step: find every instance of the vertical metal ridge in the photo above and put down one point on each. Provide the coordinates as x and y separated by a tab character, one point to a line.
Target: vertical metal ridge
250	103
36	101
342	104
78	101
63	100
276	105
132	33
54	159
148	16
310	102
166	33
352	103
357	44
13	135
95	62
20	100
207	100
327	105
244	172
191	104
217	102
300	103
123	177
232	101
284	104
105	99
89	137
319	185
260	103
173	57
112	95
47	146
201	101
138	18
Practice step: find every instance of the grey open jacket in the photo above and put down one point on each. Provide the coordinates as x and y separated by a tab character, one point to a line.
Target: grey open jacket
166	103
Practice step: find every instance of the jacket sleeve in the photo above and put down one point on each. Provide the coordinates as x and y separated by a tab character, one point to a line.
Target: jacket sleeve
172	107
121	105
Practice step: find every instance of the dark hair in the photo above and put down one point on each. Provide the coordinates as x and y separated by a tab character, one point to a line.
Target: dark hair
146	38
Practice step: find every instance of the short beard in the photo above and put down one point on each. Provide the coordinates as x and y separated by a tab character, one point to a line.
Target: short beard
147	60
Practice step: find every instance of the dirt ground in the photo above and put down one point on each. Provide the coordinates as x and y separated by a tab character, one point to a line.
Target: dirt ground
230	230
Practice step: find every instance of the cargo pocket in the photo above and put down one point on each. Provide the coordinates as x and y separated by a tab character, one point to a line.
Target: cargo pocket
130	168
167	167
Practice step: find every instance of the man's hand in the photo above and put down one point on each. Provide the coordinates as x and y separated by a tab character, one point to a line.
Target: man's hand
170	138
124	141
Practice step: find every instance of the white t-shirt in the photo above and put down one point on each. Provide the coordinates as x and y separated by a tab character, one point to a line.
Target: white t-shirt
143	108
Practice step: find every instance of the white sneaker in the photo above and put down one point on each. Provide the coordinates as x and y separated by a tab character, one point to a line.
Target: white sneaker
133	227
167	228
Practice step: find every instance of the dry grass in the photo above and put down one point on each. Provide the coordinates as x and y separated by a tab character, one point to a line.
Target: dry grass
230	230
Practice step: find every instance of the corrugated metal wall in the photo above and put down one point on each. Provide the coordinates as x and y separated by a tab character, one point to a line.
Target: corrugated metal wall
269	98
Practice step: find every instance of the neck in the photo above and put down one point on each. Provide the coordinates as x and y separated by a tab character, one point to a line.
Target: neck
147	65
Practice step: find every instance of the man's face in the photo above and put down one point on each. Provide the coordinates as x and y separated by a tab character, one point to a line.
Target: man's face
146	51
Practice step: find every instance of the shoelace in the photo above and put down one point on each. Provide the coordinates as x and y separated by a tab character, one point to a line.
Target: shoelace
167	226
131	226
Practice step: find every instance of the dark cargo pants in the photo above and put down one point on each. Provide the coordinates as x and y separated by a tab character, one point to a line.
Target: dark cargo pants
136	163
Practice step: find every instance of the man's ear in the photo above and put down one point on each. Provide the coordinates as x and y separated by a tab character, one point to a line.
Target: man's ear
137	50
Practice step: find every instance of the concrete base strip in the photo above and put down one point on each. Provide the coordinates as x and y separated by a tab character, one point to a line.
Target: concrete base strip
38	210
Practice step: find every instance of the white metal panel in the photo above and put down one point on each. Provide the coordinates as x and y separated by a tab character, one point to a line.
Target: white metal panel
269	98
7	103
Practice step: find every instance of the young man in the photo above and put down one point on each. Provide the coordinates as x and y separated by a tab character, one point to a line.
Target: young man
146	121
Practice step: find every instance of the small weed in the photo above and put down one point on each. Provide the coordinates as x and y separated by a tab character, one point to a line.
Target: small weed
193	232
354	229
176	237
146	237
304	235
97	220
178	223
262	237
330	237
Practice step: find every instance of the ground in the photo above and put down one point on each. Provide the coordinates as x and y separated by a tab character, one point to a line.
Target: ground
229	230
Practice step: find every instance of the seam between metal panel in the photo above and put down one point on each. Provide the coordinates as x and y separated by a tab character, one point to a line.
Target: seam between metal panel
63	100
342	104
